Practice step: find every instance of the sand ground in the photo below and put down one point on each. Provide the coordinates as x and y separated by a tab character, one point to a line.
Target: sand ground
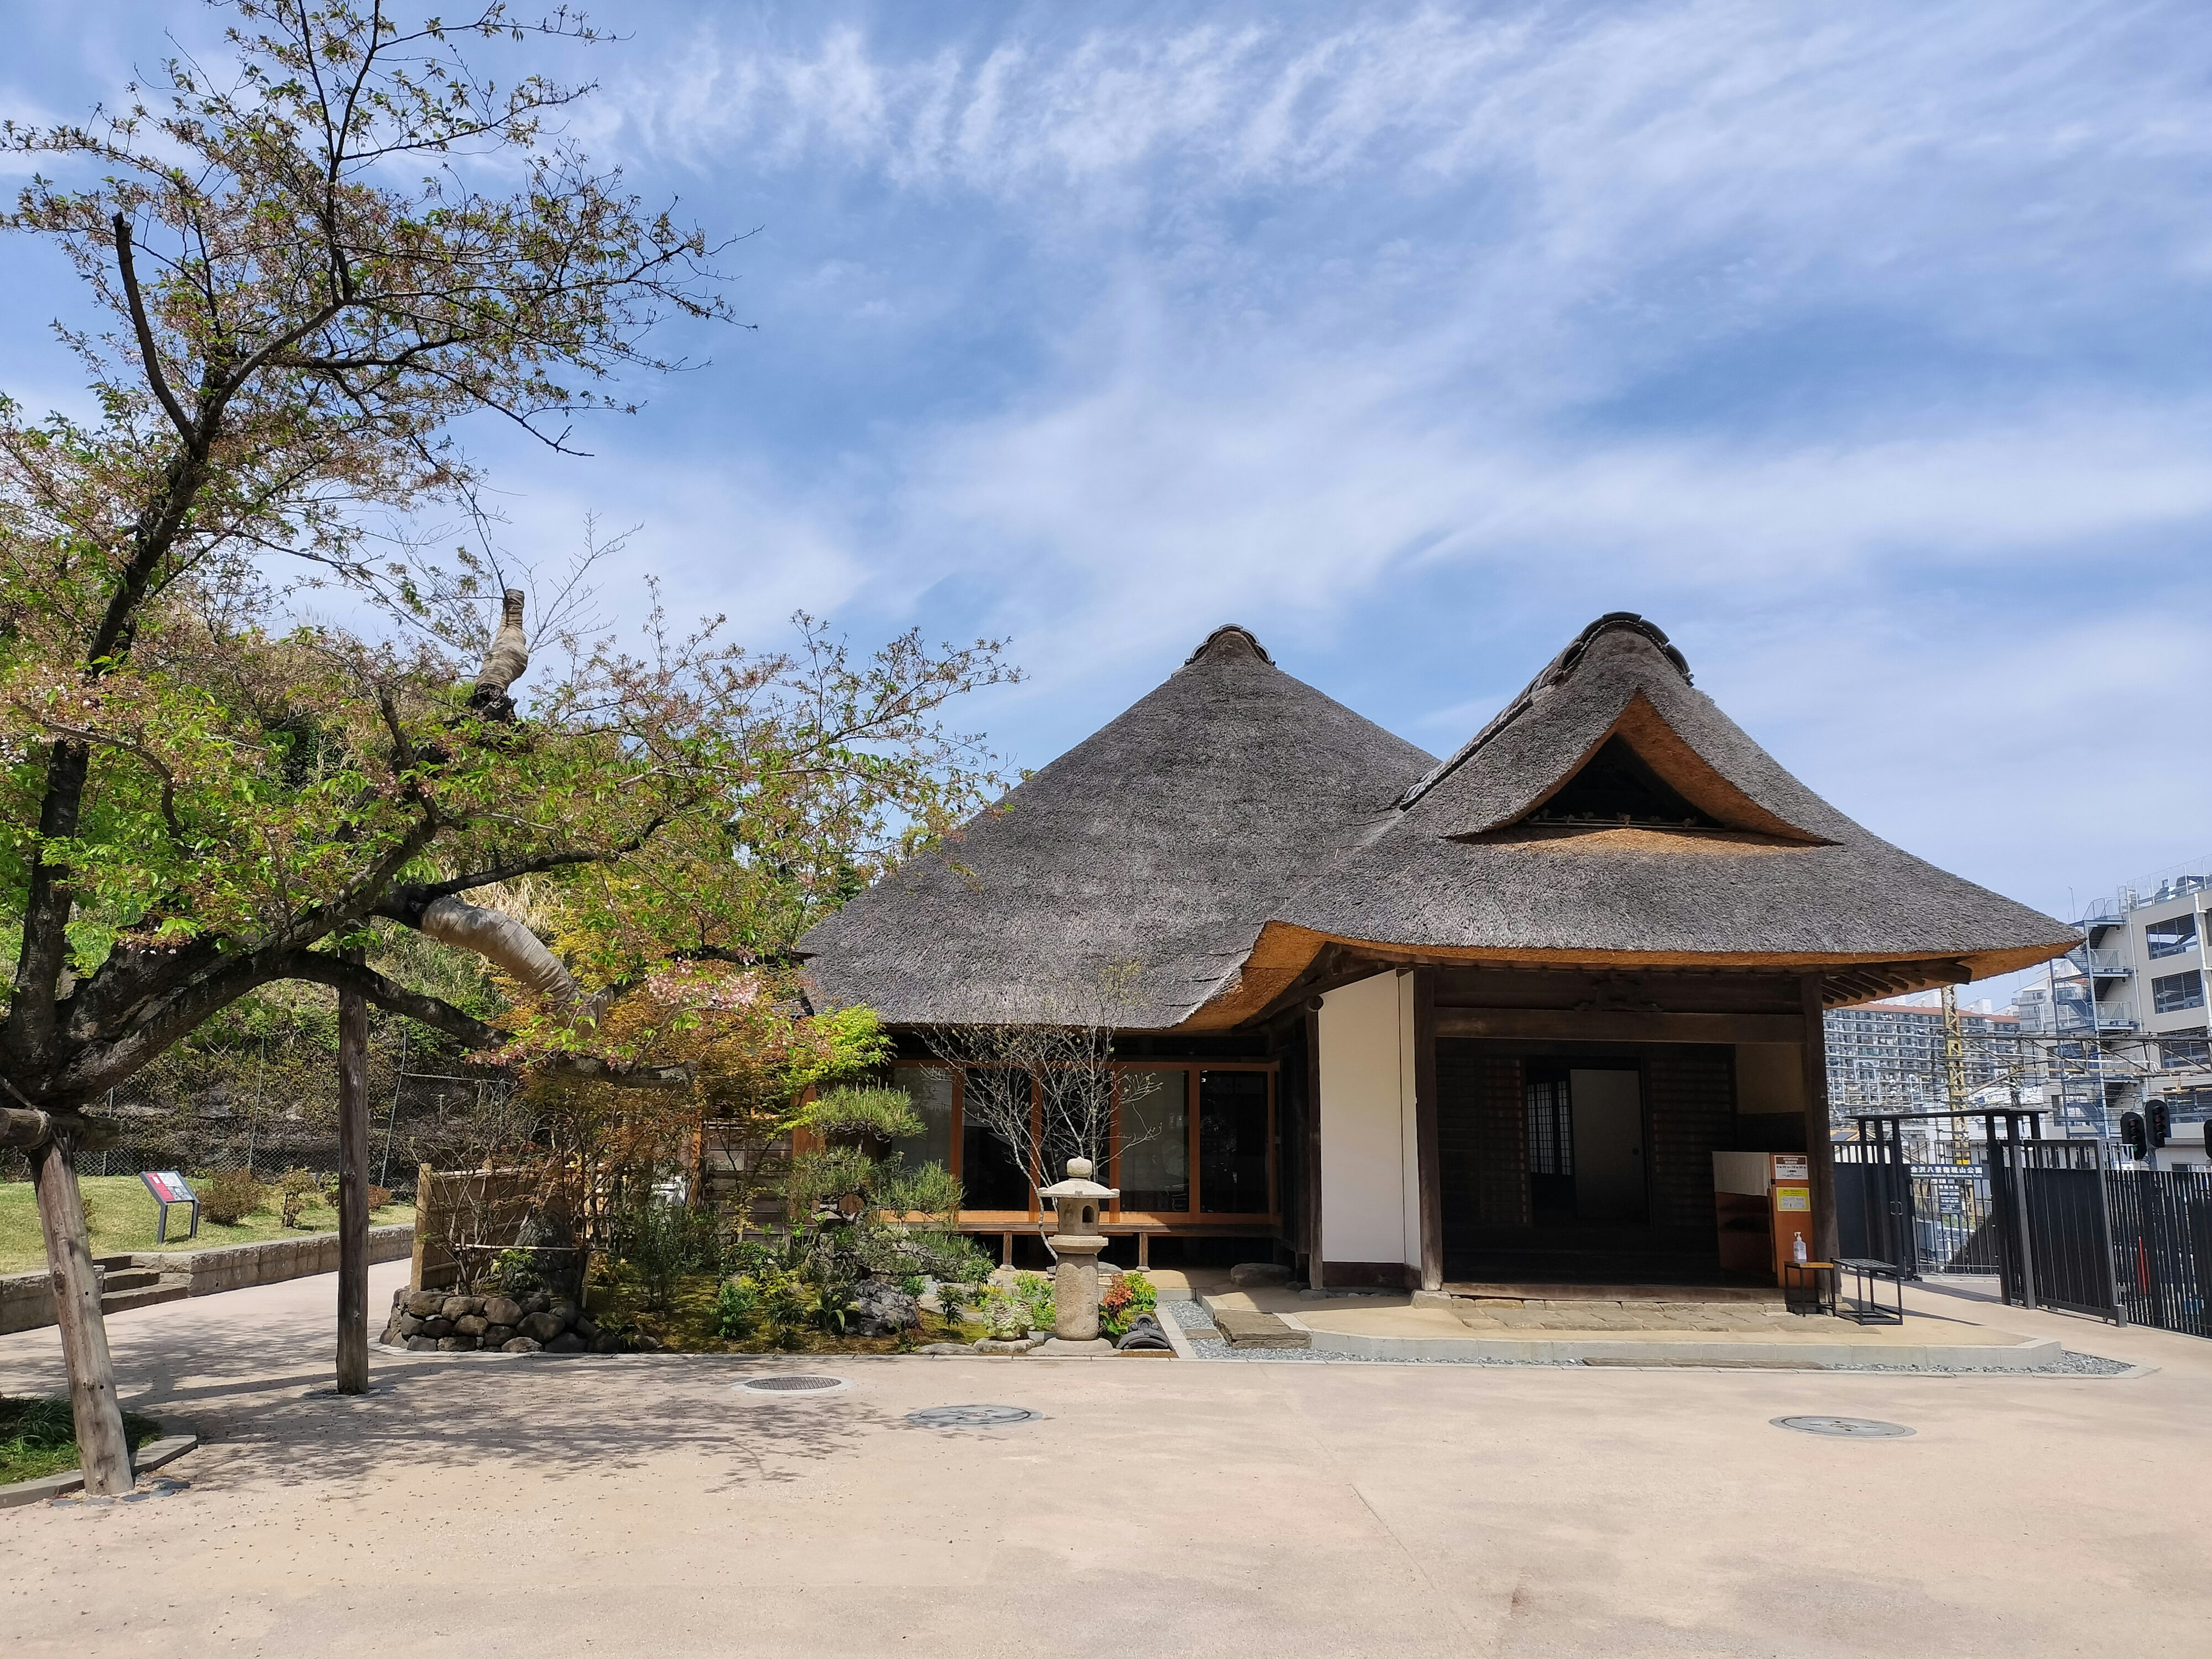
639	1505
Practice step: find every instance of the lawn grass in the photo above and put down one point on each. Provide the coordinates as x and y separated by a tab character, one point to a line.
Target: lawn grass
122	1212
36	1436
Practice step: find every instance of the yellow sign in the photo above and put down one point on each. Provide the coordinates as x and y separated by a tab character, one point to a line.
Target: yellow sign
1793	1197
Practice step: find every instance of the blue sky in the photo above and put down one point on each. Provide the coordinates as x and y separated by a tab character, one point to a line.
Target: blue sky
1863	348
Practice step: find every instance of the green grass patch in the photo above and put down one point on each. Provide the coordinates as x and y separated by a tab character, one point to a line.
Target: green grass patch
122	1215
37	1437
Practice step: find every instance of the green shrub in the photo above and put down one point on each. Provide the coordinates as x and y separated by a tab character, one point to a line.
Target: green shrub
1122	1302
228	1197
294	1188
739	1310
864	1113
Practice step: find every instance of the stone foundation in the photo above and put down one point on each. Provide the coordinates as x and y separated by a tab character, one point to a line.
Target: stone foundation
440	1322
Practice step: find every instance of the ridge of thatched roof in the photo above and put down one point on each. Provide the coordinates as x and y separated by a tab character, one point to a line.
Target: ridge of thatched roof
1235	822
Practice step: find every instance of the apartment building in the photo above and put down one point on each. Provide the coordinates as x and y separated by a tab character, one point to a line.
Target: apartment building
1889	1056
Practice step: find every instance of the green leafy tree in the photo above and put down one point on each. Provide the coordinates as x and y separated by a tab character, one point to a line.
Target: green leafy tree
205	789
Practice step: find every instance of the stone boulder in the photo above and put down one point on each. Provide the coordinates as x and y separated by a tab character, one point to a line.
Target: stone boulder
606	1342
502	1310
460	1307
540	1327
881	1308
519	1345
1259	1272
404	1325
496	1336
472	1325
537	1302
457	1344
421	1345
437	1327
425	1304
567	1342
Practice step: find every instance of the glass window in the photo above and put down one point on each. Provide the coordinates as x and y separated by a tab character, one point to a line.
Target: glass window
930	1088
1155	1140
994	1141
2176	991
2171	937
1232	1143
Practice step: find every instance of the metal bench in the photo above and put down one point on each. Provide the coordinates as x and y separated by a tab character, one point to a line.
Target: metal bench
1864	1305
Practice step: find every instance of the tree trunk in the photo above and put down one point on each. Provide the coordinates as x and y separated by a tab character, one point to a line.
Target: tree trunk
353	1190
103	1452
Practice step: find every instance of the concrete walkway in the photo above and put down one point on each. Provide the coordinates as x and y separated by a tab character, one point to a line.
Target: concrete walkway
1634	1330
488	1506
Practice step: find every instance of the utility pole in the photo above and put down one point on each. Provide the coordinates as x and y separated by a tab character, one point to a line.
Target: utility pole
1954	1072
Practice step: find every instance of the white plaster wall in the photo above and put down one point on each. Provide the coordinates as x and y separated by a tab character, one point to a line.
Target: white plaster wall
1369	1193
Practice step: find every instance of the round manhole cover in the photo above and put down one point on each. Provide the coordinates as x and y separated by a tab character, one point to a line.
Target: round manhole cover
792	1384
970	1417
1845	1428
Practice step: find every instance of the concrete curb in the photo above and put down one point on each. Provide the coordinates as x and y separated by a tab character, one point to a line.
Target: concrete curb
2035	1353
156	1454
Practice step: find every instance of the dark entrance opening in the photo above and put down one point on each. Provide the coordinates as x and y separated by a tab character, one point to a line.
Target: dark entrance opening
1581	1162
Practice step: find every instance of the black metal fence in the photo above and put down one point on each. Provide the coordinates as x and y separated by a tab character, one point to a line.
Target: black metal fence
2053	1221
2162	1225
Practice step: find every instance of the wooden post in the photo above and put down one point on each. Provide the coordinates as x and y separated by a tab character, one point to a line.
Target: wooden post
353	1190
103	1453
1819	1137
1316	1271
1425	1122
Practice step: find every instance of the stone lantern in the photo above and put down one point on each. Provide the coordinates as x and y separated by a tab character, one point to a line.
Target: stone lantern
1077	1244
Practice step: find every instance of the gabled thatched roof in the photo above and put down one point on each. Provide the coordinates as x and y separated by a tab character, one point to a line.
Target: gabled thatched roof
1164	840
1235	822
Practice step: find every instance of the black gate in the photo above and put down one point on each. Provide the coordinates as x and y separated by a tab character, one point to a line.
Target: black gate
2054	1234
1873	1198
2161	1237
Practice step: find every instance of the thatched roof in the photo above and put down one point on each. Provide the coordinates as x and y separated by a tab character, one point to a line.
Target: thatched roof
1164	840
1235	822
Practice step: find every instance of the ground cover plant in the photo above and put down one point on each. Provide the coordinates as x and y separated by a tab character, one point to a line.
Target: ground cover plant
122	1214
36	1436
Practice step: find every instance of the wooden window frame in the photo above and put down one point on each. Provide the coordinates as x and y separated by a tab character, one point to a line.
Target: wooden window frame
1193	1216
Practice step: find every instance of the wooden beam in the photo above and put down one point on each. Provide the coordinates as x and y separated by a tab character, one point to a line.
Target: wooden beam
1314	1267
353	1190
1425	1121
1564	1025
103	1453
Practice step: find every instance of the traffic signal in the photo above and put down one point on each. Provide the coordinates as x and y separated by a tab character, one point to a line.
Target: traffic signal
2131	1135
2157	1122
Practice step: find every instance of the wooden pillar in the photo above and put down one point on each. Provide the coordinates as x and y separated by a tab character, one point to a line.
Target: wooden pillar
1425	1122
1819	1141
1313	1271
103	1453
353	1190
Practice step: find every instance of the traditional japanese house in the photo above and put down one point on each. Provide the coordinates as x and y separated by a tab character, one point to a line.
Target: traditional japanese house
1411	1021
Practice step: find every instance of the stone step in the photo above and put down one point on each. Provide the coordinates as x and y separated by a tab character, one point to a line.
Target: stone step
1258	1330
129	1278
169	1290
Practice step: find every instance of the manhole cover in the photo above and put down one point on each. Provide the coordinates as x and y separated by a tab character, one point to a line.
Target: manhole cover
970	1417
1848	1428
792	1384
